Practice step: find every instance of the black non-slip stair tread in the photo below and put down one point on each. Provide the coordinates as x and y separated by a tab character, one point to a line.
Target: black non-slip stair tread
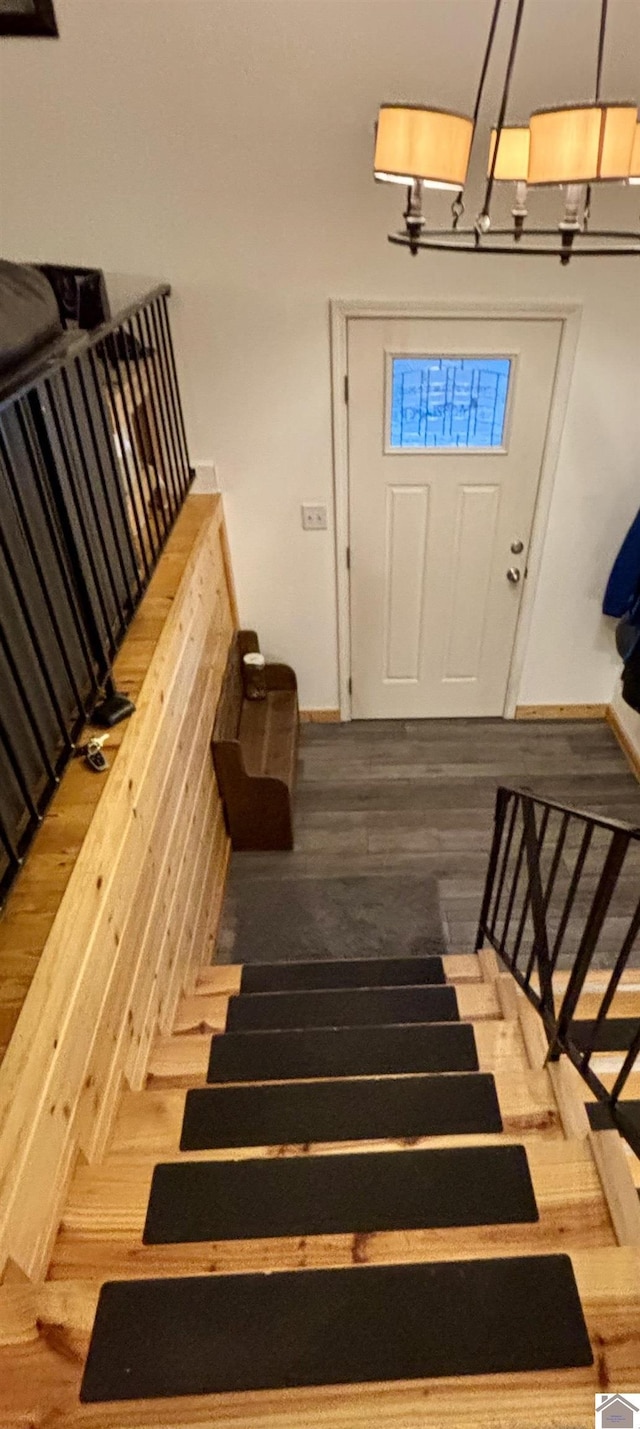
219	1334
345	1007
627	1115
615	1034
297	1113
347	972
296	1053
321	1195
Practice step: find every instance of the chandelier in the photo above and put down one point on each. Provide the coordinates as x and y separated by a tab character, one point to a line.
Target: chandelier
571	147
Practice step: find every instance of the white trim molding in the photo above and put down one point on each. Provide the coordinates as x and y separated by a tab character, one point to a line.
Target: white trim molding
341	311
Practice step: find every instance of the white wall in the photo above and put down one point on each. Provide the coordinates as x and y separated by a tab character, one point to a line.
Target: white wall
226	145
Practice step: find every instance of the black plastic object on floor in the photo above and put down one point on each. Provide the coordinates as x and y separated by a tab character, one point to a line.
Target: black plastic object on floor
297	1113
615	1034
345	1007
348	972
218	1333
296	1054
321	1195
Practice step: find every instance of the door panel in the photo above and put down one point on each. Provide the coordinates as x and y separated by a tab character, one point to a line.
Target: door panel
444	462
473	557
407	526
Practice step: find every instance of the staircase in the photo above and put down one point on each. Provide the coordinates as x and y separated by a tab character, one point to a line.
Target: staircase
447	1239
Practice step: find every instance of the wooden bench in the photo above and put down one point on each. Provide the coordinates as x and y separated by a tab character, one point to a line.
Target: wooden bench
255	750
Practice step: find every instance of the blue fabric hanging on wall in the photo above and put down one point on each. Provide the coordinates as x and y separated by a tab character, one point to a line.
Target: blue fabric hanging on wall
623	584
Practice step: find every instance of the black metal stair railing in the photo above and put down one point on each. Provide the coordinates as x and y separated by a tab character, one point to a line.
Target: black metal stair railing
94	470
562	893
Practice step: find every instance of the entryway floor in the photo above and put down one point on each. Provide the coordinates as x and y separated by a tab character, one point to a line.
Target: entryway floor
393	827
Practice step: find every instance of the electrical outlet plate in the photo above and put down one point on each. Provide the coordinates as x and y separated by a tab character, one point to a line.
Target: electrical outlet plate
314	516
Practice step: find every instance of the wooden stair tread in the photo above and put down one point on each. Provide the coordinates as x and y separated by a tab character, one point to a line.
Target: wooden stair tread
204	1012
225	978
44	1335
101	1232
362	1324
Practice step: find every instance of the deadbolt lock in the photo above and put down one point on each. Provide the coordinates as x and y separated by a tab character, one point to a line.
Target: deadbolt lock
517	547
513	575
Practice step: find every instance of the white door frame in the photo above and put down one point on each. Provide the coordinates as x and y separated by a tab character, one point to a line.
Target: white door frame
569	315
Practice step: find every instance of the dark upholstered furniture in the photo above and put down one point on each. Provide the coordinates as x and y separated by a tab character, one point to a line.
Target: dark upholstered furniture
255	748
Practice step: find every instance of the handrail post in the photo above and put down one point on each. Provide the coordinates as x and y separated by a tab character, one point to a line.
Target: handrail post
500	809
537	903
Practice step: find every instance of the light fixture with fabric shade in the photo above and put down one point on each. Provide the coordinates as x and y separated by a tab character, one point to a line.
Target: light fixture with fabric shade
430	145
634	172
579	148
512	159
582	144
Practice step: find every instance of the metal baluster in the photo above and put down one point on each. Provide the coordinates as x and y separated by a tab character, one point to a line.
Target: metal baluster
505	860
612	985
597	913
28	706
129	338
533	866
150	359
515	879
24	421
626	1068
153	315
551	881
88	486
175	386
140	486
41	659
10	848
107	489
498	826
104	645
571	893
18	773
140	555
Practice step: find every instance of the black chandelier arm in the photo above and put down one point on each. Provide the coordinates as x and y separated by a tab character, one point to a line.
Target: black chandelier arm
484	213
601	243
601	39
601	42
457	207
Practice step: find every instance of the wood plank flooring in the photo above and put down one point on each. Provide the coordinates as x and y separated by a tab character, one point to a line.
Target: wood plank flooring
397	804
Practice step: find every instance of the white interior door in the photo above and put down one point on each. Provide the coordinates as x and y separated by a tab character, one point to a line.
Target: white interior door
447	426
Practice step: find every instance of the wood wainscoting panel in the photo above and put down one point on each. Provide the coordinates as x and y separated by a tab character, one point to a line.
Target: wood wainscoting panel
121	893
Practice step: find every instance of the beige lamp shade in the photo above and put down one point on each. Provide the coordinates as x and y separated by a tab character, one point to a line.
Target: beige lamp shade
581	145
512	161
428	144
634	172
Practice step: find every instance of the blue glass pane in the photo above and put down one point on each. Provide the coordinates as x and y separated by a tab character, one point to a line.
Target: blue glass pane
449	401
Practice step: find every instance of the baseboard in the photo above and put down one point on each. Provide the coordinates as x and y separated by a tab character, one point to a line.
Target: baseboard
562	712
325	716
626	744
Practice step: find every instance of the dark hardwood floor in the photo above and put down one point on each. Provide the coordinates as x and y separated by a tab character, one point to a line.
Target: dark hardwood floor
393	826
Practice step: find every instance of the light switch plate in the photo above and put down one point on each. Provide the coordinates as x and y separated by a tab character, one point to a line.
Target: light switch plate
314	516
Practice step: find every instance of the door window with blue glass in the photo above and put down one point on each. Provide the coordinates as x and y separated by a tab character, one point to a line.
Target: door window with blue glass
448	403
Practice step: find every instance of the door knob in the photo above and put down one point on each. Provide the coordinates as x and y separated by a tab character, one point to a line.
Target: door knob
513	575
517	547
